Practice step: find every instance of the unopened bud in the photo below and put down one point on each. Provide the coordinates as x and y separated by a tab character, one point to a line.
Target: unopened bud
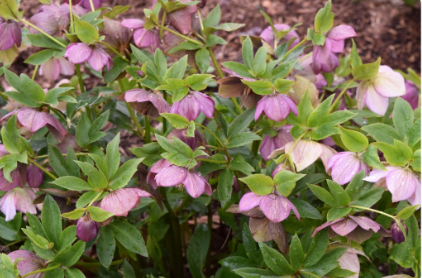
35	176
397	233
86	228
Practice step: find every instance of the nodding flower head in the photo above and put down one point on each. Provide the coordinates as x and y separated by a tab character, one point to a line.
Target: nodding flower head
28	262
194	142
181	19
10	34
142	37
20	199
345	165
192	104
86	228
97	58
397	233
121	201
146	102
269	144
56	66
276	106
52	19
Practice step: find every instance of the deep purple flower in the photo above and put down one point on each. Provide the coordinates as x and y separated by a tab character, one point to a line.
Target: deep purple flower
268	35
269	144
181	19
193	142
397	233
276	106
147	103
10	34
412	94
374	93
97	58
86	228
192	104
20	199
345	165
52	19
121	201
142	37
54	67
28	262
274	206
35	176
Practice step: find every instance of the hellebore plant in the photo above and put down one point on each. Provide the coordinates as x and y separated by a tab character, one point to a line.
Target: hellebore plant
143	156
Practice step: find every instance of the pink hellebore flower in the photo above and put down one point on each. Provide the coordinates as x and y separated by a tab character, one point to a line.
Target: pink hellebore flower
28	262
403	184
80	52
54	67
181	19
274	206
18	199
323	57
276	106
121	201
87	4
155	169
86	228
374	93
345	165
269	144
147	103
268	35
173	175
412	94
142	37
52	19
350	261
192	104
10	34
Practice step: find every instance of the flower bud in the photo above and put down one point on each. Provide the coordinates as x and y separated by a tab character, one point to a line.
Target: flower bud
35	176
86	228
397	233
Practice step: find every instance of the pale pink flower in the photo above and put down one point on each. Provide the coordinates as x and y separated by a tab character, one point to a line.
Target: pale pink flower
28	262
412	94
52	19
192	104
10	34
147	103
54	67
20	199
121	201
97	58
142	37
276	106
344	166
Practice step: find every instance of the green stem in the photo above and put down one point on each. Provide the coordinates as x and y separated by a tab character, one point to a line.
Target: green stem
63	154
114	50
13	243
200	19
95	198
182	36
42	270
131	112
374	210
98	263
163	20
80	80
71	16
147	138
212	161
309	273
35	72
212	134
294	48
208	257
341	94
42	168
185	201
42	32
92	6
164	119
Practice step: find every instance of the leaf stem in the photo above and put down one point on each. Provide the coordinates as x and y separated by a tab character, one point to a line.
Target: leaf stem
44	33
42	270
182	36
95	198
71	16
294	48
341	94
147	138
92	6
114	51
218	140
163	20
374	210
80	80
212	161
42	168
98	263
35	72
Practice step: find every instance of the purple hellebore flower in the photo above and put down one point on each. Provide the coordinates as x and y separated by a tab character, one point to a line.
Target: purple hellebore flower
147	103
193	142
181	19
173	175
86	228
52	19
268	35
403	184
345	165
323	57
374	93
97	58
397	233
142	37
10	34
269	144
192	104
121	201
276	106
308	73
28	263
54	67
274	206
87	4
20	199
35	176
33	120
412	94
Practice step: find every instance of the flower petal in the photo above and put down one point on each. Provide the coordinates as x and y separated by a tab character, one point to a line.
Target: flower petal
171	176
402	184
374	101
194	184
325	225
78	53
341	32
366	223
275	207
132	23
304	153
344	227
389	83
249	201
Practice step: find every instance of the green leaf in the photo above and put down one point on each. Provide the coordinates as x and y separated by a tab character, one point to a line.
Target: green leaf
355	60
317	117
57	161
119	66
238	68
382	132
241	139
73	273
9	9
323	195
96	178
86	32
397	155
355	184
82	131
336	213
304	108
247	52
238	163
340	195
286	182
275	260
166	144
35	224
98	214
40	40
72	254
402	117
353	140
283	85
106	245
259	62
214	40
40	57
52	95
316	38
324	19
72	183
296	254
67	237
26	86
124	173
213	17
338	117
51	220
10	137
407	212
75	214
177	70
306	210
127	270
38	240
150	152
415	133
225	185
176	120
369	198
416	164
129	237
113	156
251	272
241	122
197	250
370	156
202	58
259	184
400	253
260	87
367	71
328	262
98	124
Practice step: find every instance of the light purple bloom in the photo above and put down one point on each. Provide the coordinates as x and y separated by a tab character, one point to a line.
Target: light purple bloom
10	34
35	176
147	103
121	201
86	228
276	106
181	19
374	93
274	206
268	35
412	94
80	52
18	199
155	169
87	4
345	165
54	67
269	144
142	37
52	19
192	104
28	263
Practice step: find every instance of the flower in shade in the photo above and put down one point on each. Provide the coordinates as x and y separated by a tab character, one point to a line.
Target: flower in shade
121	201
97	58
374	93
345	165
192	104
268	34
269	144
20	199
147	103
56	66
33	120
403	184
323	57
52	19
35	176
397	233
10	34
412	94
276	106
117	36
274	206
173	175
142	37
27	263
181	19
194	142
86	228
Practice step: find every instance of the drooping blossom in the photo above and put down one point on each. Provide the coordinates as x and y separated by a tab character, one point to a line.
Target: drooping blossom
304	86
269	144
35	176
306	72
276	106
97	58
344	166
52	19
193	142
181	19
274	206
173	175
412	94
28	262
20	199
403	184
10	34
143	38
147	103
121	201
155	169
33	120
374	93
397	233
323	57
117	36
268	35
54	67
192	104
350	261
86	228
